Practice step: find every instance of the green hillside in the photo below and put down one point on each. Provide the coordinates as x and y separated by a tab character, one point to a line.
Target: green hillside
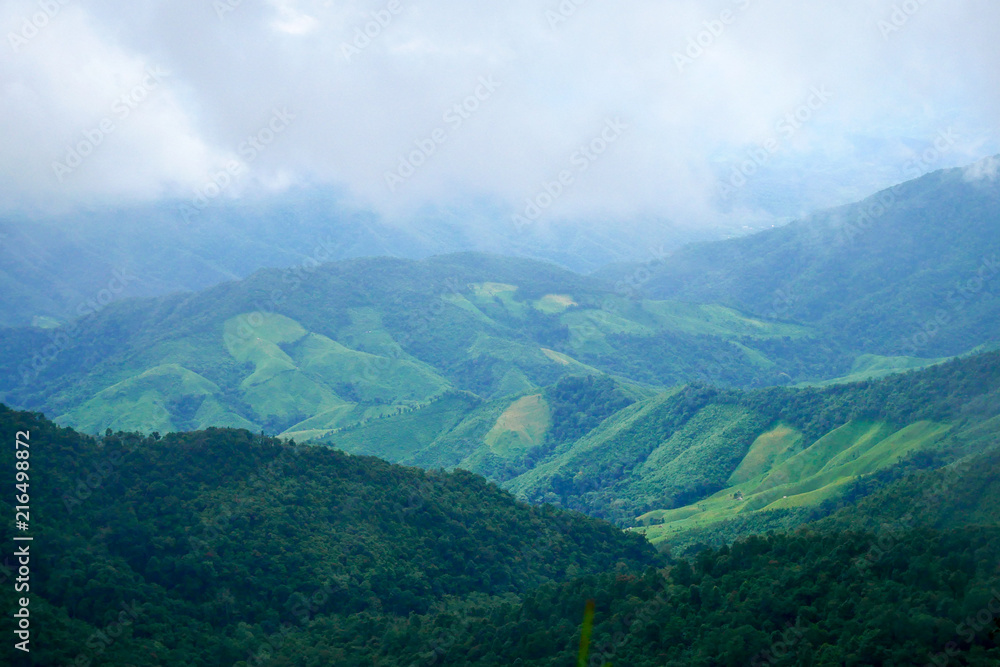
963	493
682	462
366	339
480	394
223	540
843	296
909	272
222	547
537	378
499	439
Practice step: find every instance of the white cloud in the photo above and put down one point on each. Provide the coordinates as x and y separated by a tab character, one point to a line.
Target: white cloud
985	169
356	117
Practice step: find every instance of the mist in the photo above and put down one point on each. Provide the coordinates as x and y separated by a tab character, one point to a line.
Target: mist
521	113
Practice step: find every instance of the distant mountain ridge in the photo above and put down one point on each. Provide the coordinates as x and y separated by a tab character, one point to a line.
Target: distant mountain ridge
51	266
910	271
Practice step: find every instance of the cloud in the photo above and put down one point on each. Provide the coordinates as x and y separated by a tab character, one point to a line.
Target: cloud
985	169
701	85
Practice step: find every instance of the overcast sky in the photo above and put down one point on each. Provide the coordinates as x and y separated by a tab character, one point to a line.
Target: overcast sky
683	105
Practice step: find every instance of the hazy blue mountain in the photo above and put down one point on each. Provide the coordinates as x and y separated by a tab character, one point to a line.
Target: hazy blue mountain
56	267
910	271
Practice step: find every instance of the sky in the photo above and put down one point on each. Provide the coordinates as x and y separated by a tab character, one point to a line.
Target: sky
681	110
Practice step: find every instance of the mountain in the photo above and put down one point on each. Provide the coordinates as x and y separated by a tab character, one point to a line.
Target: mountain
323	347
816	450
507	399
550	383
701	463
222	547
56	267
208	545
909	272
348	342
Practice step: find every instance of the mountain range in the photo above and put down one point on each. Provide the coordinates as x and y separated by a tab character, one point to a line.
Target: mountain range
55	267
910	271
472	458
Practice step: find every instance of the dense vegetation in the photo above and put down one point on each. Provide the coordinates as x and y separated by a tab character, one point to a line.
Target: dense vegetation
680	448
780	600
221	536
225	548
579	404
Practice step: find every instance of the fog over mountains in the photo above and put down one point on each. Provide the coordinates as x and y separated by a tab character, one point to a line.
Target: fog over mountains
397	333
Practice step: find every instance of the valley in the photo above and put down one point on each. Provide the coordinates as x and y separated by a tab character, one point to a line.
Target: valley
442	460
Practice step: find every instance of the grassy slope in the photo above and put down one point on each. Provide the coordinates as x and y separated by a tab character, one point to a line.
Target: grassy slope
355	340
399	437
805	479
691	459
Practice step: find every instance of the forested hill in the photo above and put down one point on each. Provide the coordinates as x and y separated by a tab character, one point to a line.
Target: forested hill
224	548
913	270
701	462
221	536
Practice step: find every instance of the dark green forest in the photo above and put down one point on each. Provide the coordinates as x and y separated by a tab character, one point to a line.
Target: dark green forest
220	535
225	547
